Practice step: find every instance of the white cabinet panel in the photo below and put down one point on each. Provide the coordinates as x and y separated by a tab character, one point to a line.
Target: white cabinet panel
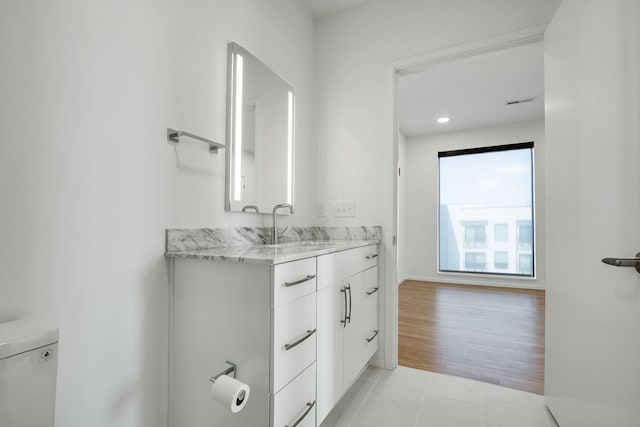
347	321
294	339
293	280
297	401
334	267
331	310
353	335
370	324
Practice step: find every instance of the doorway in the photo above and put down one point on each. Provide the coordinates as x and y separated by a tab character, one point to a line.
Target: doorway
478	98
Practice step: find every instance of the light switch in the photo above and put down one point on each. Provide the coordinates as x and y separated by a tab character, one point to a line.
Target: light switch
345	209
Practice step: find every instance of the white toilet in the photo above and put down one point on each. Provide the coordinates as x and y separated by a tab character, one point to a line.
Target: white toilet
28	371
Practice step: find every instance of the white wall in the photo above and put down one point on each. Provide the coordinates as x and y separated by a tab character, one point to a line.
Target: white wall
89	183
354	129
421	203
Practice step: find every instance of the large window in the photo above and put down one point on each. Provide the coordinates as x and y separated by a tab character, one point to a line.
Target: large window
486	210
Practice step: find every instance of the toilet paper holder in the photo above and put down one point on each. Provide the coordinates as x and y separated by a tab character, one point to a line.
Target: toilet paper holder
233	369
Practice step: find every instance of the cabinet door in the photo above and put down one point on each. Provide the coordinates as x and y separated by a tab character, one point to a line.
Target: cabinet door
370	324
354	340
330	350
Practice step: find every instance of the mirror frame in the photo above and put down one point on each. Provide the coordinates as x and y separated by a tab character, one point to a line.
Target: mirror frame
232	50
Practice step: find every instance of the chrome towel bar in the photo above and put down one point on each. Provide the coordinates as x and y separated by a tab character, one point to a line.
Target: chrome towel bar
174	136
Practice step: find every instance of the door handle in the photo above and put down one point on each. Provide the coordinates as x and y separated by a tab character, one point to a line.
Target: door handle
624	262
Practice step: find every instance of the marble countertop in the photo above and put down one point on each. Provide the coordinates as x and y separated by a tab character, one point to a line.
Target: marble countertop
267	254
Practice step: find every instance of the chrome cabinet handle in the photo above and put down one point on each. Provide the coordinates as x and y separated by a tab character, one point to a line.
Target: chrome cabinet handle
310	406
310	332
624	262
344	322
372	256
372	291
350	299
375	334
297	282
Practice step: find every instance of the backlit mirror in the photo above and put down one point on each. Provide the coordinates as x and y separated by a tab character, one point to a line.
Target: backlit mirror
260	135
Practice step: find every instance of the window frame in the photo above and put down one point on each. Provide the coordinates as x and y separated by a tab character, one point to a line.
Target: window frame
493	149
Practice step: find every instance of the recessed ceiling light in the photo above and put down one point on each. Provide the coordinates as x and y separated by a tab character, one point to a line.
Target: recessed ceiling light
443	120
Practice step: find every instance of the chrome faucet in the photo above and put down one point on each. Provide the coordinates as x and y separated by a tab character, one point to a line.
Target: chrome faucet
274	230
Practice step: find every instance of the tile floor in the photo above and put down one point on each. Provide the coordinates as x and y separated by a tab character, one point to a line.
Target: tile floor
409	397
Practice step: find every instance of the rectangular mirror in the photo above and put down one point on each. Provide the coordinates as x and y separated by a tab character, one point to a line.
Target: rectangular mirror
260	135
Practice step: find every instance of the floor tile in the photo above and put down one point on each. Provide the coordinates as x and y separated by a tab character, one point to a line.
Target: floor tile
507	419
407	397
461	389
438	411
528	405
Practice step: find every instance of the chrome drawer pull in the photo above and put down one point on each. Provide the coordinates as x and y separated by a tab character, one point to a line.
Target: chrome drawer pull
310	406
372	256
375	334
350	298
344	322
297	282
288	347
372	291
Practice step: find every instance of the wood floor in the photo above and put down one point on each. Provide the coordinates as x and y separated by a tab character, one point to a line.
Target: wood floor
495	335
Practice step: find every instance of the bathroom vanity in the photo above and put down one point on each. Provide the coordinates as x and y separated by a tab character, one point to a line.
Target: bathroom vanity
298	319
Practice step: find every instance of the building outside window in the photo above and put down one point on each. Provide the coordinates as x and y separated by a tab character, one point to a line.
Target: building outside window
475	261
486	205
501	232
475	235
525	263
525	235
501	260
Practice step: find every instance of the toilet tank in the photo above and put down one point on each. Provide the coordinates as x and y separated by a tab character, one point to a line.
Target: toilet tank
28	372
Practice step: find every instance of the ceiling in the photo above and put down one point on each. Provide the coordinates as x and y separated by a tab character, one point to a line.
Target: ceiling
325	7
472	92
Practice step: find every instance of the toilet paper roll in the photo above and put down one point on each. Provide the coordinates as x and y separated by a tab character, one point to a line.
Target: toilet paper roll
230	392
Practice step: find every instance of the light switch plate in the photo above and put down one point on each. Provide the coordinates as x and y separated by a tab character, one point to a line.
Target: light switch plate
345	209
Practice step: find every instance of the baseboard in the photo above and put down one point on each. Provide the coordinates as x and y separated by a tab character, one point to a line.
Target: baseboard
508	283
402	280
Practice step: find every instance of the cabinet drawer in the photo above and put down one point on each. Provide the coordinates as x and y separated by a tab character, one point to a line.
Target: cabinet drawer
297	401
294	340
370	310
293	280
338	265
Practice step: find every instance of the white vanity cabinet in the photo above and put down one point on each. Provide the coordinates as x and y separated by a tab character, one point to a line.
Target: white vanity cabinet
347	321
260	317
300	332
